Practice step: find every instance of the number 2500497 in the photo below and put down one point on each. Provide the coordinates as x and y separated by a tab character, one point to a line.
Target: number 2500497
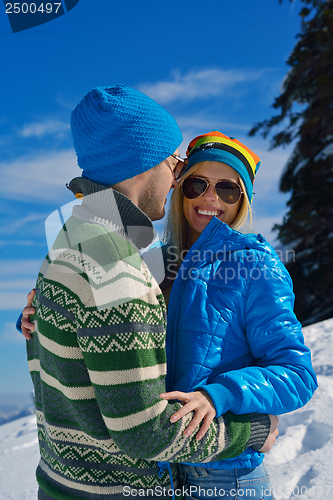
32	8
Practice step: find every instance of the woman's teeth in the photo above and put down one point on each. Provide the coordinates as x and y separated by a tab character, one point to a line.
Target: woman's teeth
208	212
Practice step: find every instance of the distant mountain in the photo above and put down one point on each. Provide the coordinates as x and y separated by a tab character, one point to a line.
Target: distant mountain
14	406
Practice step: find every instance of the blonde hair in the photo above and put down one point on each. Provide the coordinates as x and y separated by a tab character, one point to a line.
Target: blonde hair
175	232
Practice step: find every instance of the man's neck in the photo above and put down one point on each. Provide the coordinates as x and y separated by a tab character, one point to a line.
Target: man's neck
110	208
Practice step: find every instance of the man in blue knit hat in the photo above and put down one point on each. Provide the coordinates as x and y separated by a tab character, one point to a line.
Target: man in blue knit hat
97	349
119	135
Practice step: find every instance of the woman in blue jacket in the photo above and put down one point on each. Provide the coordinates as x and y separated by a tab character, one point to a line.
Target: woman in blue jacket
233	340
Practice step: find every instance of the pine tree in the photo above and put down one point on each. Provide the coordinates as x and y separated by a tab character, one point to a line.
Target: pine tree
306	120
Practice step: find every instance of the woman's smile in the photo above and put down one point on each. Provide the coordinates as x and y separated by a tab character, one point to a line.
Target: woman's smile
199	211
208	211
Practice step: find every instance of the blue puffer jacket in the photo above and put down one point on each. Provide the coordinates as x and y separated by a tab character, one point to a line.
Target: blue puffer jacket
232	330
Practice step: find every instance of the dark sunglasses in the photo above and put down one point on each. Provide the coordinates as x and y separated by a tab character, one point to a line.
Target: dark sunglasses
229	191
180	167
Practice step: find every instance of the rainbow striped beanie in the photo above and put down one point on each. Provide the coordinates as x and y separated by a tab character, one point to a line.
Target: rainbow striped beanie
118	133
216	146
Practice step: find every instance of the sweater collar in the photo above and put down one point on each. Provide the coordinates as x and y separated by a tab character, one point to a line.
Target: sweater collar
109	208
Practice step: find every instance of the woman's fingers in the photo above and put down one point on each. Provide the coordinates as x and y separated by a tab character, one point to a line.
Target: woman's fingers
205	426
26	325
26	331
182	396
195	422
205	418
30	297
200	403
188	408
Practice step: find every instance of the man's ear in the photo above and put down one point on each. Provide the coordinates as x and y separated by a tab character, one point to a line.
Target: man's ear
144	175
133	187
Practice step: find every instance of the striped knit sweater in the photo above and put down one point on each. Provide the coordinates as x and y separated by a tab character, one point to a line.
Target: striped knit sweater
97	361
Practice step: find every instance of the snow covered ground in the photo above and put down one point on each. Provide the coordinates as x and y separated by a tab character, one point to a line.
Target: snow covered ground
19	456
300	464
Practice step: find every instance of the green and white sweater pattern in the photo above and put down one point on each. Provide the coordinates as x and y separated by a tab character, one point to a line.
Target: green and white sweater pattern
97	361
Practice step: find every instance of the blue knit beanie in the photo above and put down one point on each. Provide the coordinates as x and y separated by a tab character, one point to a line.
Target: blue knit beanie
118	133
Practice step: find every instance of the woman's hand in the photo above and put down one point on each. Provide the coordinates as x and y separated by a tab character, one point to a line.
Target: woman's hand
28	327
197	401
272	435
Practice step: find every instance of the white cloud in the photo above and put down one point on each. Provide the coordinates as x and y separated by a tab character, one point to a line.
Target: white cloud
17	278
203	122
19	242
22	284
30	221
41	177
65	103
39	129
272	162
15	268
200	121
10	335
204	83
14	300
263	225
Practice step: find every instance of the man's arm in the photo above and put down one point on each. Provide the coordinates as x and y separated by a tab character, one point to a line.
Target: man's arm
128	396
127	370
123	346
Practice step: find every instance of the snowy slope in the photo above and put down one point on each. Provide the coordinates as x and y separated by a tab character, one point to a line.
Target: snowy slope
19	456
300	464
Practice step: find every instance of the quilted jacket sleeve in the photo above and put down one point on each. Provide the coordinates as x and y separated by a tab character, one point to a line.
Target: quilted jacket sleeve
283	378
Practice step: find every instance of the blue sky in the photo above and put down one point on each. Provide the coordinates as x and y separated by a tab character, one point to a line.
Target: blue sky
214	65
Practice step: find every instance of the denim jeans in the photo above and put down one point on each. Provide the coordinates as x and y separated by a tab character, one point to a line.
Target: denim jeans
237	484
